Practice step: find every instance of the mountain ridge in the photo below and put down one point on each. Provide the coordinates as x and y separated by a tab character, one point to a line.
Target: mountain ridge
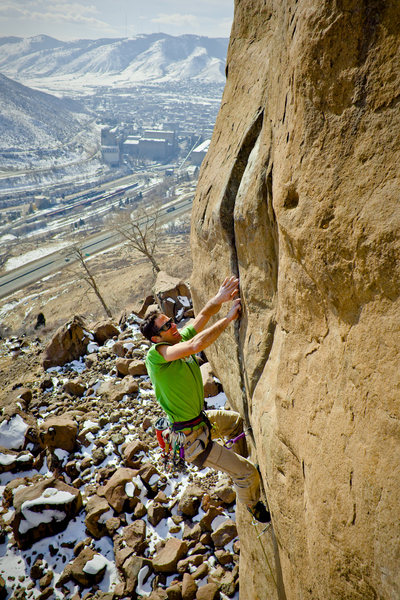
145	58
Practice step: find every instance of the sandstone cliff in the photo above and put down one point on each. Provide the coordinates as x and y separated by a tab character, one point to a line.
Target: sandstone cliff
299	195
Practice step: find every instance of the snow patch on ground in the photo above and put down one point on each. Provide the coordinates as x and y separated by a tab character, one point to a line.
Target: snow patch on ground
19	261
12	433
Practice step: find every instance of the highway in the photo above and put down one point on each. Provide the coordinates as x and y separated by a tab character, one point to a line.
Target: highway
19	278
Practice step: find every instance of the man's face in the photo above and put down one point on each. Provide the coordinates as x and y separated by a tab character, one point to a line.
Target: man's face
172	335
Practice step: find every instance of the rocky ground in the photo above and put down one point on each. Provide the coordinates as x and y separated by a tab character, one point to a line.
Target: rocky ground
89	508
124	278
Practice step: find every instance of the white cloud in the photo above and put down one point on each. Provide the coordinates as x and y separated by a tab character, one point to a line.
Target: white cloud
95	18
58	12
189	23
176	19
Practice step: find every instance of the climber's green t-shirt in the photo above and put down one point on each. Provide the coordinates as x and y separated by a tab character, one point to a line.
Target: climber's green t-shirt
178	384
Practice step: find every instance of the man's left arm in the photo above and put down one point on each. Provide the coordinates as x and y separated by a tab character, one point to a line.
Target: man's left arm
226	293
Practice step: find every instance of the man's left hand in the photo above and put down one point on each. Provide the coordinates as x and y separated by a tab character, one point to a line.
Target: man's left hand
228	290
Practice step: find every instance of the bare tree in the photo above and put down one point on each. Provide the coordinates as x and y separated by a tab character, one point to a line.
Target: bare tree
143	232
4	258
86	274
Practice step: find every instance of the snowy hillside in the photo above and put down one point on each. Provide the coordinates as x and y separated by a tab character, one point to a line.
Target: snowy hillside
30	119
150	58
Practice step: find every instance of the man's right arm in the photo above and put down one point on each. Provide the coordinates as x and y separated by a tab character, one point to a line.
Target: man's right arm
201	340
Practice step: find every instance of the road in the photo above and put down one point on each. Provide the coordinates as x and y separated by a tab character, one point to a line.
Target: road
19	278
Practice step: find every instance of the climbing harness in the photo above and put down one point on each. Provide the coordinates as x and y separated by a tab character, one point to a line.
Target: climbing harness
172	439
180	429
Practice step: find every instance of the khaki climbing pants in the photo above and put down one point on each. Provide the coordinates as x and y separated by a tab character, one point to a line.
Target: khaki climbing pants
226	424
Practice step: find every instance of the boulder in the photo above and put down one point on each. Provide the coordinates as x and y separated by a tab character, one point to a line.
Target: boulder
119	349
12	461
122	365
166	559
88	568
211	387
226	492
201	571
223	557
207	519
209	591
192	533
43	509
18	398
74	387
193	560
134	536
224	534
190	500
131	366
137	367
112	525
140	310
115	390
174	592
121	491
149	474
173	295
98	455
156	512
189	587
225	580
121	551
68	343
132	453
104	330
17	482
58	432
97	512
38	569
130	570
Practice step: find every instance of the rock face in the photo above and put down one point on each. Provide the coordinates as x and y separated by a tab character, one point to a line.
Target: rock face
298	195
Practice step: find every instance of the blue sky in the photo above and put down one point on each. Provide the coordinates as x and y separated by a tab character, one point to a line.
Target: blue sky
68	20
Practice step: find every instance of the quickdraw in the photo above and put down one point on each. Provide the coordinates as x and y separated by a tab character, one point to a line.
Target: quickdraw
178	457
171	444
229	444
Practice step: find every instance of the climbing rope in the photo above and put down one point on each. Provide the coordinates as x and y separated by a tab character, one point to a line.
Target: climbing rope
263	549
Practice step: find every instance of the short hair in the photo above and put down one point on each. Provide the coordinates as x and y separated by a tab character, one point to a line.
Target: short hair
148	327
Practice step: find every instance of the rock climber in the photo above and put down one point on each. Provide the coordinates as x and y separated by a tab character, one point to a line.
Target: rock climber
176	377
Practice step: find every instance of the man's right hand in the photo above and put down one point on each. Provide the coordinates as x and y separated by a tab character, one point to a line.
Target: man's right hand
235	310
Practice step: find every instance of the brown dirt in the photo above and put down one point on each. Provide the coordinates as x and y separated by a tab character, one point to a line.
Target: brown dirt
124	280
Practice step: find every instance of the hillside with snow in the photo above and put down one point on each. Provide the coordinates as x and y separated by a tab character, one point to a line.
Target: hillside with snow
42	61
30	119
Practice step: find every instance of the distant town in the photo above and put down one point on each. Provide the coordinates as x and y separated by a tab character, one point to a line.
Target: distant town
149	144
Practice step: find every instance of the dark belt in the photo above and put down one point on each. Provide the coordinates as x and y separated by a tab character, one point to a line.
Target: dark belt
181	425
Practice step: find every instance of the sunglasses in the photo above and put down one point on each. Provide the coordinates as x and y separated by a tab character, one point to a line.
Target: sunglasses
167	325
